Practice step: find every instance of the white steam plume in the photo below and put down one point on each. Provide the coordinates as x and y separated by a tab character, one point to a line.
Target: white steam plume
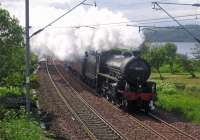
65	43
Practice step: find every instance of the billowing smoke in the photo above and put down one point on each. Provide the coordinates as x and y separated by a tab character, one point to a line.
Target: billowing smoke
64	41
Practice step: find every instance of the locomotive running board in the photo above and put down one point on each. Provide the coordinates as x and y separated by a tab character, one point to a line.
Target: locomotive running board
108	76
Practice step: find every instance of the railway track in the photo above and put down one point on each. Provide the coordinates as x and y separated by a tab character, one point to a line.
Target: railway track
182	134
93	123
165	131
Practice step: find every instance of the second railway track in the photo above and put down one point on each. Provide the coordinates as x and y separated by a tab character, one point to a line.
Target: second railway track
92	122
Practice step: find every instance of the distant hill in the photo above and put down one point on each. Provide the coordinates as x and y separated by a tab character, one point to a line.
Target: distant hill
175	34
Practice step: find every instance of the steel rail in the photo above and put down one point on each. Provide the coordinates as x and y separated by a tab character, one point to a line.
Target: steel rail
172	126
114	132
91	135
148	128
85	102
156	118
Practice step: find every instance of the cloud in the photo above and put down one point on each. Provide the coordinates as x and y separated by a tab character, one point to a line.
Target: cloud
188	1
65	43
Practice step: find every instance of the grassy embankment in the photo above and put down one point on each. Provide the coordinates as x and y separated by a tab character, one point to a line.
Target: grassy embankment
15	124
179	93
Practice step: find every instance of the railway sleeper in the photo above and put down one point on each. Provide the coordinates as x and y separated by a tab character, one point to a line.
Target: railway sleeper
103	131
86	113
89	116
101	135
104	137
80	106
91	120
95	122
83	111
95	125
92	117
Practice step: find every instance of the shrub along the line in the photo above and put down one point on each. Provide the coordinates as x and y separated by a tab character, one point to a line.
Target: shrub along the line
172	100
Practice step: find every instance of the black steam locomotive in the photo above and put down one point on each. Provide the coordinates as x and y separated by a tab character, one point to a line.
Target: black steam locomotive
121	78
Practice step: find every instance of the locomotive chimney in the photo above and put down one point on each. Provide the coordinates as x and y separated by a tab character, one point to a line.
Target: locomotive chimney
136	53
86	54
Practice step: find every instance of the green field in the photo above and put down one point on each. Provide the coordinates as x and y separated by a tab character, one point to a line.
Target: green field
180	94
182	78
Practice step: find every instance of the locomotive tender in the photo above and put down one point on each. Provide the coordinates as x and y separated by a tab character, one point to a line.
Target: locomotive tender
121	78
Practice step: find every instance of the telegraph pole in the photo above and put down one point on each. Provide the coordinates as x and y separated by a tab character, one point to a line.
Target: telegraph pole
27	55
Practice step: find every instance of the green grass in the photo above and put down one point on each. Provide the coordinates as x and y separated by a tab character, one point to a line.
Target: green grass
181	78
15	124
187	106
173	100
10	91
20	129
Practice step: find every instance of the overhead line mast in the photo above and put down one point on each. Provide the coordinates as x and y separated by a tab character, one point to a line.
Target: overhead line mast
27	45
27	56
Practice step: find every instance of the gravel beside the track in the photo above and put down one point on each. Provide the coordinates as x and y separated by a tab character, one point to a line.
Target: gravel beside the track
179	122
118	118
63	125
123	123
60	121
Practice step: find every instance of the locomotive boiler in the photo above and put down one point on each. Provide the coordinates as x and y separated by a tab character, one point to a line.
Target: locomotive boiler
120	77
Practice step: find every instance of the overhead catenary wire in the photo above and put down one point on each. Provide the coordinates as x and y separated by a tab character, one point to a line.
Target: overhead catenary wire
73	8
120	24
190	33
181	4
163	21
144	21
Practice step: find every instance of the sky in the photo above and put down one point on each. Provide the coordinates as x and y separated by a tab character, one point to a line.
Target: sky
142	9
64	42
132	9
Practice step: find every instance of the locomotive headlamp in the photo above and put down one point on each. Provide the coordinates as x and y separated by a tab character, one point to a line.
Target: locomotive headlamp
153	88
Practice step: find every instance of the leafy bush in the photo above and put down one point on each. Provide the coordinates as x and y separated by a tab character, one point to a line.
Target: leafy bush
34	81
166	68
16	125
10	91
21	129
14	79
165	87
170	99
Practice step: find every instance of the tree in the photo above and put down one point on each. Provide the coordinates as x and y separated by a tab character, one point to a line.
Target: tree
186	64
145	49
11	43
156	56
170	51
196	52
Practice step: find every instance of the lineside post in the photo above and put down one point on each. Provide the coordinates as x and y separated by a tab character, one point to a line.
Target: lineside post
27	55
